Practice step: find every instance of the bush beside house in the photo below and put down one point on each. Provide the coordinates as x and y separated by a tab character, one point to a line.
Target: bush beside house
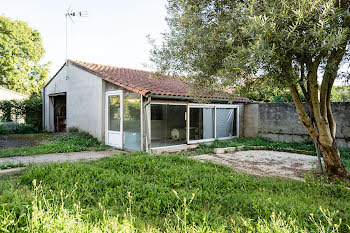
21	116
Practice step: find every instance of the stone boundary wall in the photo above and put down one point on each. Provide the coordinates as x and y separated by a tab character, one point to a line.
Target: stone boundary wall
280	122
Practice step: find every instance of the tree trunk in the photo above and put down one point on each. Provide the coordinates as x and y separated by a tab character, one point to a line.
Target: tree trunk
322	136
331	156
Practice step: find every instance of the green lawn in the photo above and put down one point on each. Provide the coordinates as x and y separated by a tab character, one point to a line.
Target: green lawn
164	193
54	143
75	141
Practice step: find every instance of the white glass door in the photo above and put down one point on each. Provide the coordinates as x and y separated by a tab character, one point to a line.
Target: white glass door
114	119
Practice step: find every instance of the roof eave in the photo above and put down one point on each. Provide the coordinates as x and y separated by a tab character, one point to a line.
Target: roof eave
198	98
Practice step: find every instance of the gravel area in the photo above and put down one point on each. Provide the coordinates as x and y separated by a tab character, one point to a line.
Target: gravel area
265	163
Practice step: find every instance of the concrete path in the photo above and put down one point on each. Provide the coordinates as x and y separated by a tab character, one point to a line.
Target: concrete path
59	157
265	163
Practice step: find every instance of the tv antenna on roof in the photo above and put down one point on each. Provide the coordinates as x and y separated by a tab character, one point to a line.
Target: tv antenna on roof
70	14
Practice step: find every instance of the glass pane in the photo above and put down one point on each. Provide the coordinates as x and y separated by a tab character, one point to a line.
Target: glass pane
208	123
114	113
168	125
224	122
132	122
201	123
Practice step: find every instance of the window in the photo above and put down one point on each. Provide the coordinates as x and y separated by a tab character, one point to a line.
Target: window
210	121
201	123
132	122
224	122
168	125
157	112
114	113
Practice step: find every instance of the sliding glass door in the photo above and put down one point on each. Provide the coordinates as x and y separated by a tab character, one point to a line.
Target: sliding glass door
207	122
168	125
201	124
226	122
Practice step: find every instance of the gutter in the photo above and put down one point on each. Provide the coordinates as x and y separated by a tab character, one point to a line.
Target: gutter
148	130
195	98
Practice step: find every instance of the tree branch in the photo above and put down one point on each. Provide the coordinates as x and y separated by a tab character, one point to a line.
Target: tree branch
321	122
329	77
303	117
303	89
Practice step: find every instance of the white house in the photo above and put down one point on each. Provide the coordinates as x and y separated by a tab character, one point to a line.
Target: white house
134	110
6	94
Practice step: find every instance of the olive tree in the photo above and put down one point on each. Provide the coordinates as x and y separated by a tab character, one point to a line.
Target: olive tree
299	45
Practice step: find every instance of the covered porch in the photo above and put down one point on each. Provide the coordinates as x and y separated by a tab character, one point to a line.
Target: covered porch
139	124
174	124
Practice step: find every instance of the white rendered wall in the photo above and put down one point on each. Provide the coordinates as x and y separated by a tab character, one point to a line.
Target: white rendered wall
85	99
6	94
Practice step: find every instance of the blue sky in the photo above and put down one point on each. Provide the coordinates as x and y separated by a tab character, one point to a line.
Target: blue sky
114	32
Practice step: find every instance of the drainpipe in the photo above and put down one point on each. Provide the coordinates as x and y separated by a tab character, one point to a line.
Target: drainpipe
148	139
43	110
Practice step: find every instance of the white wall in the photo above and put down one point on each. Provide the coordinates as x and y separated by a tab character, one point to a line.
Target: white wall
85	99
6	94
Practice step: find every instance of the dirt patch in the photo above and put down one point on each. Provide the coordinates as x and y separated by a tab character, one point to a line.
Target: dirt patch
12	141
265	163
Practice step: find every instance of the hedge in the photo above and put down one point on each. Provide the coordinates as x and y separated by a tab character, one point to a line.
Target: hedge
29	109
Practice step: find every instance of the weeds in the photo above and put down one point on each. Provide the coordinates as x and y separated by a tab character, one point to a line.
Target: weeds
49	213
10	165
221	196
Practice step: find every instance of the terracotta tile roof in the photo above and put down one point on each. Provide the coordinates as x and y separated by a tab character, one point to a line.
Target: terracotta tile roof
142	82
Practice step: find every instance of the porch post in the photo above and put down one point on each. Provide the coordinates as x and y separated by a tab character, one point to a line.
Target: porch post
147	123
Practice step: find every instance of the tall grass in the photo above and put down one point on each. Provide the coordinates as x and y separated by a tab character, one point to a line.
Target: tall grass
51	215
141	186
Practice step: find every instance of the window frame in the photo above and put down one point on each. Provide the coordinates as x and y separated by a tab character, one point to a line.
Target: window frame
155	102
215	107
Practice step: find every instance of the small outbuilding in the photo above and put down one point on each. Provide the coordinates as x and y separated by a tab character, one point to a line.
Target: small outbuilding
6	94
136	110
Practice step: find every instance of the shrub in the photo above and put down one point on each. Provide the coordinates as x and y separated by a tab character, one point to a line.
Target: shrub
73	130
14	128
10	109
30	110
26	129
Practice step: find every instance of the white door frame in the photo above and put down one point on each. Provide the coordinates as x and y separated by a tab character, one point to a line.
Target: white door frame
118	134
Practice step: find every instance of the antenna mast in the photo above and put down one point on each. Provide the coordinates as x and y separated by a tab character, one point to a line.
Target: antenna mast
70	14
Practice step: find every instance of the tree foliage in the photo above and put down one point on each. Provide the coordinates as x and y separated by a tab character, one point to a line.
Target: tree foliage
10	110
263	91
340	94
20	52
290	44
